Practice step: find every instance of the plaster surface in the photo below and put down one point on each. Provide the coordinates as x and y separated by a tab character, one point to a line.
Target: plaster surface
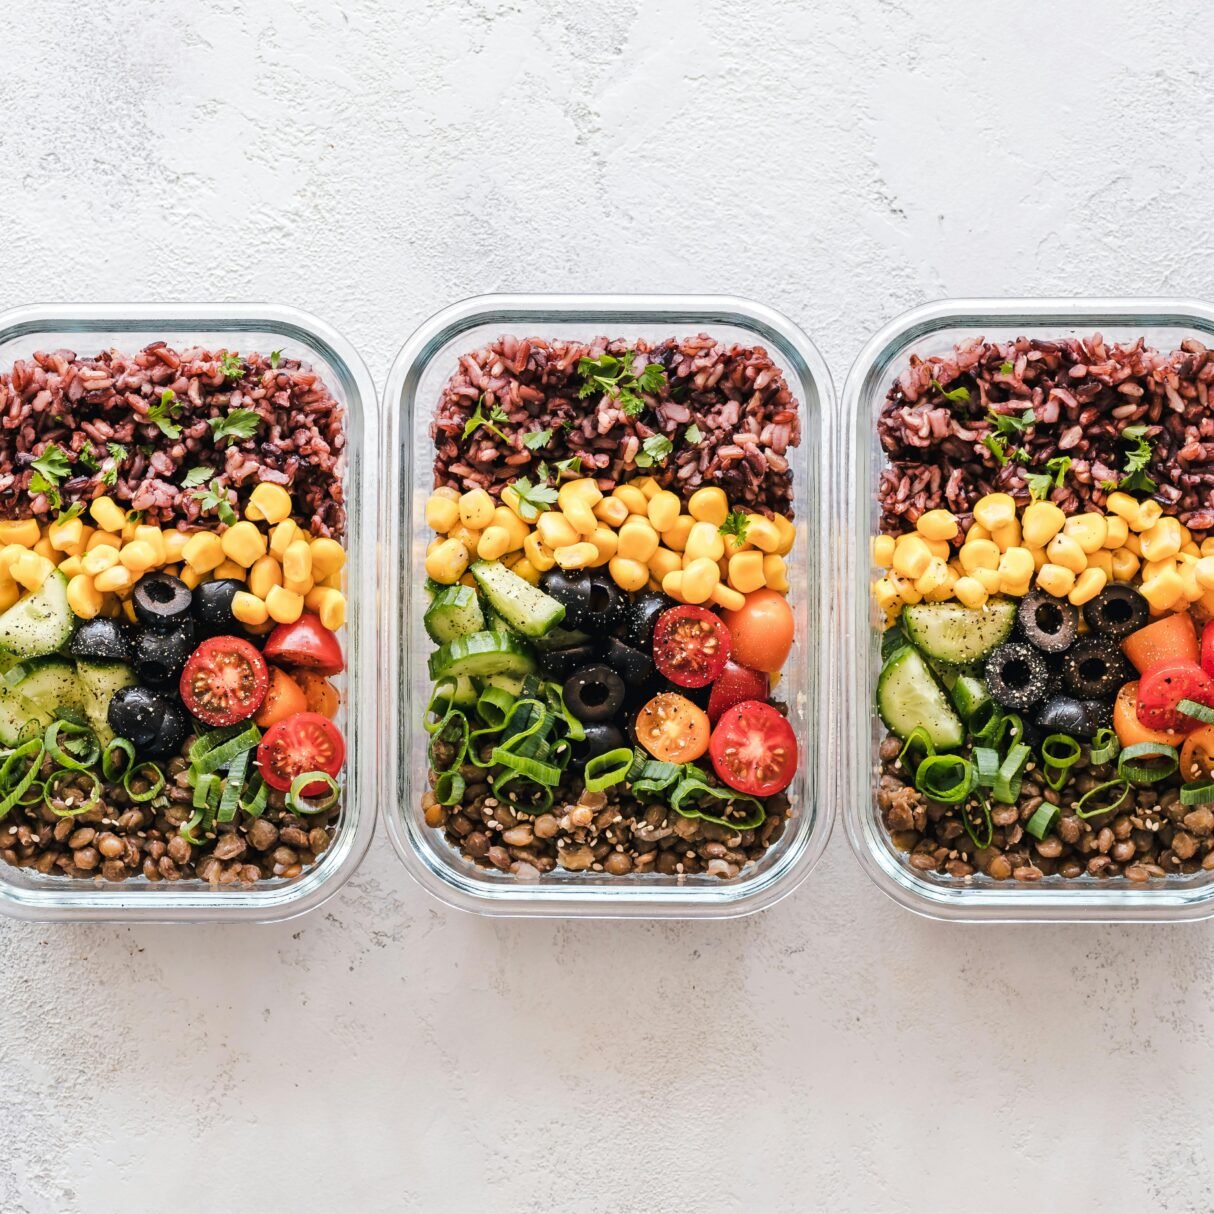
372	161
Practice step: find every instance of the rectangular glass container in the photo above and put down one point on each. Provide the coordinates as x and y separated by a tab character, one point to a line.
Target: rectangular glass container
90	328
414	384
932	330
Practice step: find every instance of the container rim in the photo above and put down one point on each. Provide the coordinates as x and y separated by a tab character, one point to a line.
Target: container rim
76	901
464	891
1171	900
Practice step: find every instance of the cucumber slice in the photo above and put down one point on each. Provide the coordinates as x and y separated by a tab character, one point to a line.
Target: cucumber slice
482	653
15	712
455	612
511	683
50	684
908	696
525	608
954	633
561	638
464	695
40	623
101	680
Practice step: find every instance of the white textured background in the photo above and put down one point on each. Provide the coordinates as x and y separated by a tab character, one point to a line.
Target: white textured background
371	161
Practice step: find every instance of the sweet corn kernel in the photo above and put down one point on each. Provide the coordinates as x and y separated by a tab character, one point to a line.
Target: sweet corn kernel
675	536
611	511
448	492
1056	580
969	591
114	580
580	515
1163	591
476	509
297	562
1149	513
1193	589
788	534
21	531
663	510
446	564
994	510
503	517
284	606
648	486
1161	541
107	514
30	570
940	548
672	585
1102	560
1152	569
704	539
575	556
264	573
746	571
633	498
733	545
979	554
271	504
662	562
699	577
977	532
441	513
1065	551
173	542
709	505
1007	535
906	589
606	543
466	535
138	556
1040	522
103	539
1089	531
911	555
937	525
583	489
775	573
761	532
628	574
229	571
65	535
1015	568
71	566
883	551
538	553
191	577
727	598
556	530
494	543
527	571
43	548
98	560
884	591
153	537
1124	565
203	551
284	535
328	556
128	611
249	608
936	575
1190	549
1134	544
243	543
1204	572
1122	505
1116	531
638	540
83	597
1039	557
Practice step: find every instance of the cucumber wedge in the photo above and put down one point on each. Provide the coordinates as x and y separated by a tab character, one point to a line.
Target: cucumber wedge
51	684
481	654
908	697
40	623
954	633
525	608
101	680
463	695
455	612
15	712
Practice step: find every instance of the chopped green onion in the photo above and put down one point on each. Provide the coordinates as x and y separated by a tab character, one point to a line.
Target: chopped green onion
918	738
156	777
299	804
536	770
607	769
986	764
555	695
1147	762
948	779
1105	746
449	788
649	776
29	731
1060	753
1191	708
229	799
1085	811
694	786
453	721
189	830
494	706
440	696
983	840
1043	820
219	747
1011	774
255	805
76	756
111	768
50	789
503	787
16	788
1197	792
986	725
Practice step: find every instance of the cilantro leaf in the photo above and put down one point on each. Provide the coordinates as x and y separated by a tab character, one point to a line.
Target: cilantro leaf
533	500
652	378
86	459
613	377
215	497
1008	424
1006	368
275	359
996	444
478	419
39	484
117	450
958	395
197	476
568	467
737	523
230	365
543	472
135	516
1135	476
1042	484
654	450
161	414
48	470
537	439
70	513
240	423
692	435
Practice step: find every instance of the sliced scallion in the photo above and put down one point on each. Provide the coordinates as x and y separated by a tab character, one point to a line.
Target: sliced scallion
298	803
149	771
1043	820
449	788
986	764
1090	805
15	780
983	838
1105	746
1197	792
1011	774
1202	712
218	748
229	799
116	758
72	746
607	769
917	739
948	779
1147	762
50	789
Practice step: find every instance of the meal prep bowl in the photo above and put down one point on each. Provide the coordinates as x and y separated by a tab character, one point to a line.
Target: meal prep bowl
414	384
88	328
932	330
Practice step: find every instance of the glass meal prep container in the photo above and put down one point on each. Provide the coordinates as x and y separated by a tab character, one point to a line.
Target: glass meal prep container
927	331
89	329
412	391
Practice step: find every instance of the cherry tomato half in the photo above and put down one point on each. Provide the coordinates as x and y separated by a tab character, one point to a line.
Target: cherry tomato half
224	681
305	742
322	696
307	643
284	698
1161	689
672	728
690	646
1197	755
735	684
1169	639
754	749
761	631
1207	648
1130	729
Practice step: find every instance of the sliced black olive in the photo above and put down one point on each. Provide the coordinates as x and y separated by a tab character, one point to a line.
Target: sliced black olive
1047	623
160	657
1100	712
170	730
641	615
100	640
1094	669
594	693
1016	675
561	663
633	666
161	600
605	608
213	608
135	713
1064	714
601	736
1116	611
572	590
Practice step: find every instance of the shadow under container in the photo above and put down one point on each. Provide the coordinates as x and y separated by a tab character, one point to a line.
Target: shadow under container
413	389
933	330
89	329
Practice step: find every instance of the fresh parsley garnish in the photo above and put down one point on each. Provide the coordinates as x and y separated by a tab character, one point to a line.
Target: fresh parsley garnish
86	459
654	450
275	359
692	435
1042	484
48	470
533	500
1008	424
1135	477
737	523
215	497
117	450
109	478
568	467
1006	368
161	414
70	513
240	423
537	439
543	472
958	395
230	365
478	419
197	476
996	444
614	377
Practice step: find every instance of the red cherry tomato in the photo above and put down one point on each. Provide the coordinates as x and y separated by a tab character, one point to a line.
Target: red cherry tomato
306	643
305	742
735	684
224	681
1167	640
1207	648
690	646
761	631
1162	688
754	749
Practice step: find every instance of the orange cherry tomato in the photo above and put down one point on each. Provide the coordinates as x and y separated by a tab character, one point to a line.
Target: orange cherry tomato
1172	638
761	632
1197	754
672	728
321	695
1130	729
284	698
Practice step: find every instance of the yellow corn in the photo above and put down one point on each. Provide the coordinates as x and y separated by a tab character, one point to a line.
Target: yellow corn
709	505
632	497
153	537
10	592
733	545
297	562
114	580
663	510
746	571
611	511
937	525
1123	506
1007	535
762	533
940	548
1116	530
127	610
538	553
1102	560
1134	544
203	551
264	573
284	606
1193	589
987	578
441	513
107	514
283	536
648	486
1016	568
1040	522
580	516
675	536
475	509
83	598
969	591
466	535
1065	551
788	534
704	539
103	539
138	556
173	543
556	530
1087	586
328	556
71	566
884	591
979	554
229	571
527	571
638	540
447	491
243	543
268	504
905	588
994	510
606	543
43	548
883	551
99	560
1089	531
249	609
583	489
727	598
30	569
628	574
1149	513
977	532
20	531
775	573
672	585
191	577
575	556
1056	580
1161	541
1204	572
699	578
446	564
911	555
65	535
663	562
495	543
1163	590
1124	565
